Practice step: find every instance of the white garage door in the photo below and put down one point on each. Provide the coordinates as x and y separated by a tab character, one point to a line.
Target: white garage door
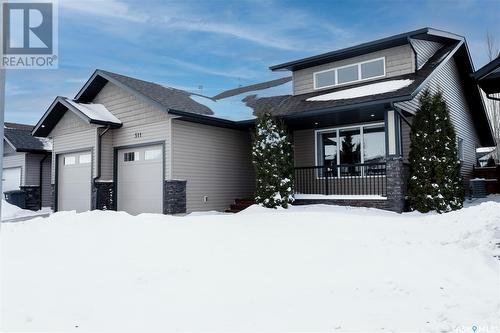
74	181
140	180
11	179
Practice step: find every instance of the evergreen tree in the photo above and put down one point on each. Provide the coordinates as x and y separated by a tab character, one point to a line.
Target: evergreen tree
435	182
273	162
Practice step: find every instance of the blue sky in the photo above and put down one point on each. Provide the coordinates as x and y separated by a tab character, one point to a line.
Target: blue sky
220	44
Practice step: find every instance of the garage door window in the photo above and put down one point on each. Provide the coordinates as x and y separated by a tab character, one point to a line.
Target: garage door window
153	154
131	156
69	160
84	159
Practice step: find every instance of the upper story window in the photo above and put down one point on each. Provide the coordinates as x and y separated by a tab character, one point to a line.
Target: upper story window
349	74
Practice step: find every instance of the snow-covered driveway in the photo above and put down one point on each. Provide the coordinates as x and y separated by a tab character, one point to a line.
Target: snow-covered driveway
316	268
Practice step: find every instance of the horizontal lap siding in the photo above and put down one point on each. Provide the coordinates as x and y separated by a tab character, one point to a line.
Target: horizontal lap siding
304	148
137	116
447	79
33	168
215	161
14	160
398	60
72	133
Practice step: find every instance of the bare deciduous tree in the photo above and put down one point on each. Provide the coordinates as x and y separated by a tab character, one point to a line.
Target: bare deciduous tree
493	106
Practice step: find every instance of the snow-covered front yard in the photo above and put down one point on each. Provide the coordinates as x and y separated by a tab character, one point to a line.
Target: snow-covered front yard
309	268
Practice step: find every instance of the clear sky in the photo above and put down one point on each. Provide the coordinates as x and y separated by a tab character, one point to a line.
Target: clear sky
220	44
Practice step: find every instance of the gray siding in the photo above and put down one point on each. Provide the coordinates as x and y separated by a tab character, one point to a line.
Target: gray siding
142	123
447	80
424	49
405	138
46	188
304	148
32	172
72	133
216	162
398	60
14	160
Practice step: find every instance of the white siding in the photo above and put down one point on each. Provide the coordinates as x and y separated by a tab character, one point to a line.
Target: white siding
398	60
447	79
216	162
71	133
424	49
142	123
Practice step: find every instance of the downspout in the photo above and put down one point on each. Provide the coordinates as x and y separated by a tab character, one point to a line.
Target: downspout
41	178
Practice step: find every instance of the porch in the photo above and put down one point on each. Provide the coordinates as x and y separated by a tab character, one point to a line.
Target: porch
339	161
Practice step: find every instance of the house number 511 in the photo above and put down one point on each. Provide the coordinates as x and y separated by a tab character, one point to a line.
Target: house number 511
137	135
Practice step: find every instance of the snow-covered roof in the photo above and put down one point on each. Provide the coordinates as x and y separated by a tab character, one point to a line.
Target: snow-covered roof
365	90
94	111
244	103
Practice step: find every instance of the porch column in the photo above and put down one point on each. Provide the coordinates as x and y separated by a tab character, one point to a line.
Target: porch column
395	169
392	133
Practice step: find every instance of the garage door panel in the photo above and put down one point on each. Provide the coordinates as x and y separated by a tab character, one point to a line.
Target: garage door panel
11	179
140	180
74	181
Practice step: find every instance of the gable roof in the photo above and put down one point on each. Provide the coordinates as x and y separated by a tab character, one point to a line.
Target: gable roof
89	112
488	77
19	137
373	46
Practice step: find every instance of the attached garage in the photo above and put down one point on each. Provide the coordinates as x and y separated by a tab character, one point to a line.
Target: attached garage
140	179
74	174
11	179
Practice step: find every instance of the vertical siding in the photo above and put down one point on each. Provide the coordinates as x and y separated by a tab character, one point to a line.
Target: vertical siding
216	162
33	169
46	188
424	49
71	133
405	138
398	60
447	79
138	117
14	160
304	148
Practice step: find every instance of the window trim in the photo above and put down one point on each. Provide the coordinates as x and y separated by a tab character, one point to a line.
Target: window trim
337	130
335	69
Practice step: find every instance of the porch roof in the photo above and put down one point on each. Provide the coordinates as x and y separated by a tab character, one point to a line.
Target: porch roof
488	77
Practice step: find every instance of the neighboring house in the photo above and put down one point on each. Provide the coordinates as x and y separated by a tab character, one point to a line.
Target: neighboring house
27	165
132	145
488	78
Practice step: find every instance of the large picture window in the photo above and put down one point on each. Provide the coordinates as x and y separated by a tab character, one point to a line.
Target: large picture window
361	71
343	149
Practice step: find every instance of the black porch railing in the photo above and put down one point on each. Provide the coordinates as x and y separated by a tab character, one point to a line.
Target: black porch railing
343	179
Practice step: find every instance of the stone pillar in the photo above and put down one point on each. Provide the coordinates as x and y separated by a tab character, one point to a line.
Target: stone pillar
103	196
174	198
396	180
32	197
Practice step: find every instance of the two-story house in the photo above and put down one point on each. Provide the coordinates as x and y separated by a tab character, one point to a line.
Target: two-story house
132	145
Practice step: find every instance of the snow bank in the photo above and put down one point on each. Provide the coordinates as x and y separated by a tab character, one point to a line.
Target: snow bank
366	90
10	211
308	268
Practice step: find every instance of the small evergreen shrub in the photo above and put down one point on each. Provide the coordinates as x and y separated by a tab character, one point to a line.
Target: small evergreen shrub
273	162
435	182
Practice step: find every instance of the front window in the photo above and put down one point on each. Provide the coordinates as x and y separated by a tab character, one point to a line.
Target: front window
361	71
343	150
